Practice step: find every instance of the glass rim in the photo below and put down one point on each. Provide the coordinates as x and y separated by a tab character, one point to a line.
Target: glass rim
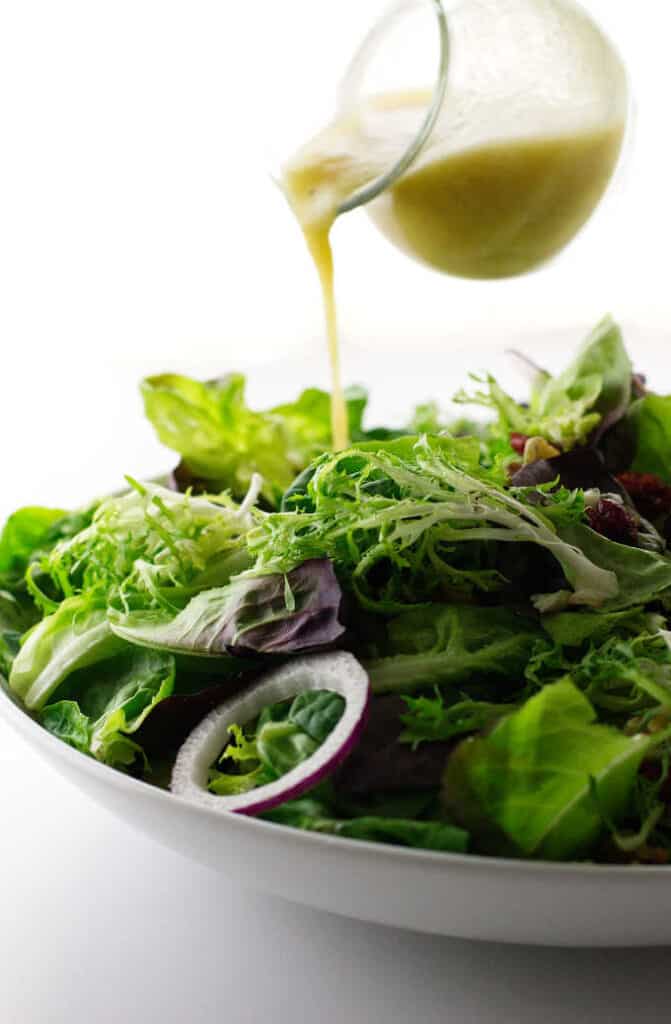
354	75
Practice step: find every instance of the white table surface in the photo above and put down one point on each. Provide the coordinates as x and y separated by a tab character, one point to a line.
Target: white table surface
102	925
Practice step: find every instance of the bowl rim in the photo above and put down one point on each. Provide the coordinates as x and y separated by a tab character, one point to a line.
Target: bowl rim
22	722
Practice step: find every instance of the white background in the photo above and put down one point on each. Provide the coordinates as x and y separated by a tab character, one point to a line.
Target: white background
140	230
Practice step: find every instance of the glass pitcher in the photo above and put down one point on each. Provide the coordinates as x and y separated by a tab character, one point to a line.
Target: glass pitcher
483	132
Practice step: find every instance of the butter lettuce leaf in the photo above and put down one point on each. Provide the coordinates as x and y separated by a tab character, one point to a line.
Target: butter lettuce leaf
649	424
27	537
26	531
75	636
222	441
528	786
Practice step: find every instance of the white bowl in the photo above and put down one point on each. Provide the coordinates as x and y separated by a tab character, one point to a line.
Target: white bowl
448	894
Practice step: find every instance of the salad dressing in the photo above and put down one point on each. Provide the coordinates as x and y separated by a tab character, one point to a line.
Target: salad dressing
493	196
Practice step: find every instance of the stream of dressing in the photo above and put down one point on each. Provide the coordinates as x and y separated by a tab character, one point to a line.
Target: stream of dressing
467	207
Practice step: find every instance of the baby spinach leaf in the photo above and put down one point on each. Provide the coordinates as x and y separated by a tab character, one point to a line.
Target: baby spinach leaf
284	736
10	645
65	720
317	713
16	613
313	815
109	702
424	835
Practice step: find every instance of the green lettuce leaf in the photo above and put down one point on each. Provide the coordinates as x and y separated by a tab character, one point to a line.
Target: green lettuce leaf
10	645
527	787
627	676
100	707
315	816
433	720
574	629
414	520
444	645
27	537
30	532
601	357
147	550
66	721
593	392
284	736
26	531
152	549
282	746
641	575
75	636
225	442
649	422
590	646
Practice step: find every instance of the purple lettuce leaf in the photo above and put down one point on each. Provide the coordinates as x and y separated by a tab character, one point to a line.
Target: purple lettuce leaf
279	614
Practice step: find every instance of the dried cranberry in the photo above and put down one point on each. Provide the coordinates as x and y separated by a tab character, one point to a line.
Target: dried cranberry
518	442
614	521
650	495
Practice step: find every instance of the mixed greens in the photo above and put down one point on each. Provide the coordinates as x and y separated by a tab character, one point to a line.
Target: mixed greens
506	586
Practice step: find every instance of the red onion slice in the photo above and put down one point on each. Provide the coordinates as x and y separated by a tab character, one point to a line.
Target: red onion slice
338	672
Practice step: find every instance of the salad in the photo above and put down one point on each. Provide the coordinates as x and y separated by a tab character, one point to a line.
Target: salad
449	636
